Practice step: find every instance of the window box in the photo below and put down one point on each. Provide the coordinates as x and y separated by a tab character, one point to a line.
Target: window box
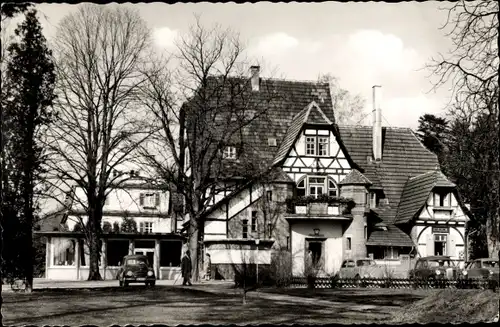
333	210
301	209
318	208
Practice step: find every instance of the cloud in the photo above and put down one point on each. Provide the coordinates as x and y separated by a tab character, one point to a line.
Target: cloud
274	44
405	111
164	37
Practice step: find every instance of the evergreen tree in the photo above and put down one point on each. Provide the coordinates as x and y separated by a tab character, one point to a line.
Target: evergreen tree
27	95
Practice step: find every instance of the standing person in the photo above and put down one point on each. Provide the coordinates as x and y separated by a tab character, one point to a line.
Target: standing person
207	267
186	268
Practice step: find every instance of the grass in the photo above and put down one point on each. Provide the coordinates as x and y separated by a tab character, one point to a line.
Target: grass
451	306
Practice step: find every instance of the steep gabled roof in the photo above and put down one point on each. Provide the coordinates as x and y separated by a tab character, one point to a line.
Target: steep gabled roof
416	193
311	114
355	178
403	156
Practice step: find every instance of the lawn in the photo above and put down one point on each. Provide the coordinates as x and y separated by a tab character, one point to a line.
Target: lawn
206	304
203	304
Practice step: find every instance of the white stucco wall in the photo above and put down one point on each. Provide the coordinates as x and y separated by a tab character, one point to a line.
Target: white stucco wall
429	212
333	244
425	240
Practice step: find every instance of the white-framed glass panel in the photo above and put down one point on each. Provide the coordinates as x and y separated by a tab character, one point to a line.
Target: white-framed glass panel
146	227
373	200
311	145
244	223
254	221
64	252
442	199
440	244
301	187
229	152
149	200
323	146
316	186
332	188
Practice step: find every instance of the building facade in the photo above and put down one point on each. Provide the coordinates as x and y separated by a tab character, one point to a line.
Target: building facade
333	192
135	202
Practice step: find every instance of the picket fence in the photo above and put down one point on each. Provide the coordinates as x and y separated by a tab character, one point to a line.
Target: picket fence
328	282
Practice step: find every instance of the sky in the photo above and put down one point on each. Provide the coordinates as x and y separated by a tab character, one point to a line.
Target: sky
362	44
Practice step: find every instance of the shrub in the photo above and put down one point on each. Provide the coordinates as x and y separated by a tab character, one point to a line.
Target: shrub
116	227
78	227
106	227
129	225
281	268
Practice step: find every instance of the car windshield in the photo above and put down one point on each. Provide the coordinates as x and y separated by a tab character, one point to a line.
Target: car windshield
441	263
136	262
365	263
490	264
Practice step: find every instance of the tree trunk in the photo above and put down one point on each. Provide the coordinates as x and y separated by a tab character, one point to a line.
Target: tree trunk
194	247
492	234
93	229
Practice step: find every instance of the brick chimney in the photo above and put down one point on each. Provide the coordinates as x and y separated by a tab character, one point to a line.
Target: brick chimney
377	123
255	79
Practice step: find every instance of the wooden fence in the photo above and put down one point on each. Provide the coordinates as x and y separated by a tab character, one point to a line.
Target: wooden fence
327	282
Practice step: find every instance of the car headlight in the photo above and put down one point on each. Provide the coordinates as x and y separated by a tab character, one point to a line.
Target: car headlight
438	272
150	273
464	272
129	273
491	272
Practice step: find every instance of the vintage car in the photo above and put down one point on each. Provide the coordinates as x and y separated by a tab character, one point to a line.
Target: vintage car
434	267
361	268
484	268
136	269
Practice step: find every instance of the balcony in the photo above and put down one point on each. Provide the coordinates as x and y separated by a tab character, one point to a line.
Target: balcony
320	206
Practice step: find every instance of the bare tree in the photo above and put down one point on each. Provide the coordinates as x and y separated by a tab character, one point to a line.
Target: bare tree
348	108
100	52
472	68
201	110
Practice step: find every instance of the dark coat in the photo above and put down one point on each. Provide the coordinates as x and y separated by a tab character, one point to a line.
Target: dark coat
186	267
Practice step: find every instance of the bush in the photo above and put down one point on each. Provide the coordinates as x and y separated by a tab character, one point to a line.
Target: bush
106	227
78	227
116	227
281	268
129	225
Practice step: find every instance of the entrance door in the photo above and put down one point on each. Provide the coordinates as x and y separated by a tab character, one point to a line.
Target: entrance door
150	253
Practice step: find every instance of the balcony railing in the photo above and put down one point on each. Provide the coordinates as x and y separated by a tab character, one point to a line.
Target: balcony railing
321	205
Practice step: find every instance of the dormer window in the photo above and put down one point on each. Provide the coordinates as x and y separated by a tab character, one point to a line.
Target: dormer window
229	152
442	198
317	145
149	200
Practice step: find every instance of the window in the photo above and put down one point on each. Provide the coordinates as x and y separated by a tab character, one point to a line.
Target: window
322	146
149	200
442	199
84	253
229	152
373	200
145	227
311	145
64	252
170	253
440	244
269	196
254	221
317	185
317	145
245	228
270	229
115	251
349	243
365	233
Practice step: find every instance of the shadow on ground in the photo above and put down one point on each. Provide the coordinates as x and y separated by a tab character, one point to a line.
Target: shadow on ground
178	305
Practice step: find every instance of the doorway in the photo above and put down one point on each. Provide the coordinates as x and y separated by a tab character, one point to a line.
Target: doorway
315	253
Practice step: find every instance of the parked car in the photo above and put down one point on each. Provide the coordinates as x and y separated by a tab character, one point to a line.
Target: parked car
361	268
434	268
484	268
136	269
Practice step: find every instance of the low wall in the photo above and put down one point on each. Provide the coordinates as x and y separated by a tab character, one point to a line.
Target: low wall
108	273
170	273
226	271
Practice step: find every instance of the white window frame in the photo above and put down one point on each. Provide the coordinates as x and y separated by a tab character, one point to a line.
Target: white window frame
229	152
150	200
317	145
145	227
442	199
325	186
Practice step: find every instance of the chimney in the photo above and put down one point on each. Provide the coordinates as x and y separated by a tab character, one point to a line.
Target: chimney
377	123
255	80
